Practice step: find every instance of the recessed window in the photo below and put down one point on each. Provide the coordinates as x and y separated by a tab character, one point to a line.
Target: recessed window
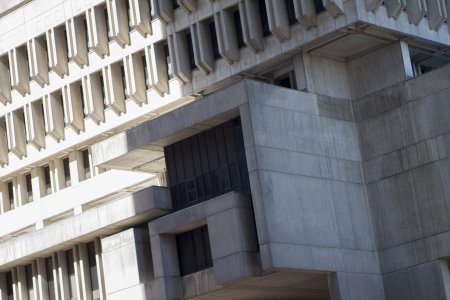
290	8
71	273
126	94
194	251
319	6
168	62
238	27
29	187
146	70
48	182
66	169
175	4
264	18
51	282
29	277
83	106
12	204
108	27
93	270
215	44
86	164
9	286
190	49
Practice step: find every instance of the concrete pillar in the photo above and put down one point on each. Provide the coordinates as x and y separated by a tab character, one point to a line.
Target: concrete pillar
135	77
15	125
15	286
35	126
5	85
118	21
334	7
21	188
140	16
278	19
202	46
416	10
436	13
99	262
22	283
76	265
305	12
157	67
163	10
226	35
19	74
4	198
3	142
127	263
179	56
251	25
74	106
76	37
54	115
3	290
97	30
84	272
41	279
63	279
57	50
59	174
38	183
37	53
114	88
92	91
189	6
373	5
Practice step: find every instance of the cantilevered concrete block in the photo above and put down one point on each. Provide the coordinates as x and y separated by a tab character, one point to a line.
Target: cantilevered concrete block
157	67
163	10
188	5
180	56
35	126
76	34
118	21
226	32
251	24
93	96
37	53
114	88
373	5
416	10
436	13
97	30
74	106
15	125
5	85
135	77
305	12
140	16
57	50
334	7
395	7
278	19
54	115
202	44
19	74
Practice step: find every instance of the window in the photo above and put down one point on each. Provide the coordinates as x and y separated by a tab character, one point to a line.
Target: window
146	70
48	182
175	4
66	169
238	25
9	286
29	187
215	44
108	28
61	100
12	205
124	82
66	42
319	6
168	62
264	18
86	35
286	80
83	106
50	279
86	164
194	251
291	11
71	273
128	9
93	270
190	51
30	286
102	87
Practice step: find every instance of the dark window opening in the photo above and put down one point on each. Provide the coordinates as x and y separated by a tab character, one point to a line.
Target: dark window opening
124	82
86	33
207	164
29	187
290	8
175	4
102	88
190	49
66	42
146	75
71	274
48	183
215	44
87	164
108	28
61	101
30	286
12	204
9	286
194	251
238	27
128	9
66	170
50	279
264	18
168	62
93	270
83	106
319	6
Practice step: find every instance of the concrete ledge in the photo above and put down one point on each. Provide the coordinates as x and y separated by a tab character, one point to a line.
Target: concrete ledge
106	219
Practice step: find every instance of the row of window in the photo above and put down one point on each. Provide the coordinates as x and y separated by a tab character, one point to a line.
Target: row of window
72	274
42	181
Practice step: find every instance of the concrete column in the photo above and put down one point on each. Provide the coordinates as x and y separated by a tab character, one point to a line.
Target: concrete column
63	279
118	21
189	6
84	272
135	77
251	25
16	132
3	294
278	19
3	142
163	10
19	74
334	7
157	67
92	91
53	176
35	126
127	262
4	195
59	174
179	56
394	7
37	53
140	16
5	85
114	88
373	5
73	105
202	44
41	279
38	183
15	287
416	10
305	12
21	187
436	13
54	115
22	283
99	261
166	268
76	37
57	50
97	30
76	167
76	265
226	35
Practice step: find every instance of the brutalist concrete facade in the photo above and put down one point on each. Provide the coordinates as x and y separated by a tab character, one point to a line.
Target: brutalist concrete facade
224	149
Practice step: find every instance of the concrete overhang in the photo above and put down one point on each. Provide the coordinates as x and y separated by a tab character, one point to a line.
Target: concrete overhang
142	148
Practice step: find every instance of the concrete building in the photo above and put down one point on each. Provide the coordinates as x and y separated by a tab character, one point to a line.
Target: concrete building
224	149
